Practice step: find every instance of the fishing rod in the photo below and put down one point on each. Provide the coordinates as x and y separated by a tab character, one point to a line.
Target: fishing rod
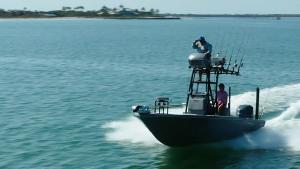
235	65
229	63
241	64
222	41
218	43
238	53
239	49
232	39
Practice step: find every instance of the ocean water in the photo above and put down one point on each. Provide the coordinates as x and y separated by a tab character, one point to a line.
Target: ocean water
67	86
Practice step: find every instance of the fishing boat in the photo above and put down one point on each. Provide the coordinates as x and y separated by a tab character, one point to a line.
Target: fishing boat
201	122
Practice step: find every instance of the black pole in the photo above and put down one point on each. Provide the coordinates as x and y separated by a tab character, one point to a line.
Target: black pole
190	90
216	92
257	104
210	94
229	90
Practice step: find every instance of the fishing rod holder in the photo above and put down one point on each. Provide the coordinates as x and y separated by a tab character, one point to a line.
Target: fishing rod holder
161	104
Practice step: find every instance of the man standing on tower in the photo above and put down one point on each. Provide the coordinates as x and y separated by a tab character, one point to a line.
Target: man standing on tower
203	46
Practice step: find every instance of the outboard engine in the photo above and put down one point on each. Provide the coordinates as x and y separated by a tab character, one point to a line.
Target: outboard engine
141	109
245	111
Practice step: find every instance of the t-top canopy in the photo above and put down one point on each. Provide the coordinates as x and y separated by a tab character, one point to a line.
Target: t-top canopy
200	60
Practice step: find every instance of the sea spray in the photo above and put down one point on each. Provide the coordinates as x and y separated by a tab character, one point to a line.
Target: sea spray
130	130
281	132
292	113
271	99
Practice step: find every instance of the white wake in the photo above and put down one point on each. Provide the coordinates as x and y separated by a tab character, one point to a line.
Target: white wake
280	132
130	130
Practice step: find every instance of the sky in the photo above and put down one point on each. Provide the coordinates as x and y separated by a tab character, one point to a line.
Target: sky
168	6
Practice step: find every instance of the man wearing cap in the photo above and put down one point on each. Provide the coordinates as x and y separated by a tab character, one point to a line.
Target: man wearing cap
203	46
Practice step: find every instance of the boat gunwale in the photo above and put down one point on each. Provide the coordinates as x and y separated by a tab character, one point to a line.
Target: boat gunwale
196	116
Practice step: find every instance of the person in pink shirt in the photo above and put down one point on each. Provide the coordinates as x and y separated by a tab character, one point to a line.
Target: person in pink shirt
221	98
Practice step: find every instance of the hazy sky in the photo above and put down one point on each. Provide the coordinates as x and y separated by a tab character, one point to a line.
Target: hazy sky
172	6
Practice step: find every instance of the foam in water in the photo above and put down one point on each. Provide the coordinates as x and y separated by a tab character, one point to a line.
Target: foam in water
272	99
130	130
279	132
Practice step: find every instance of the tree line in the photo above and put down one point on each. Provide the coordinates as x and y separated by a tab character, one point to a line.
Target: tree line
79	11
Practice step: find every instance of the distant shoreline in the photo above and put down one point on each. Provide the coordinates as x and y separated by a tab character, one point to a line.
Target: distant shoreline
236	15
121	12
162	17
79	17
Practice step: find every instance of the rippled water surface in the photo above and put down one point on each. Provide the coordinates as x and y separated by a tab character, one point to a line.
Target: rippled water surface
66	87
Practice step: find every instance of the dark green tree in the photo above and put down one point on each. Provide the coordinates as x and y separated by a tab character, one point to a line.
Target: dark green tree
152	11
79	8
66	8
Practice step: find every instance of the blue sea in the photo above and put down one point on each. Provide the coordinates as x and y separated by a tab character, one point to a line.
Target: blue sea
67	87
